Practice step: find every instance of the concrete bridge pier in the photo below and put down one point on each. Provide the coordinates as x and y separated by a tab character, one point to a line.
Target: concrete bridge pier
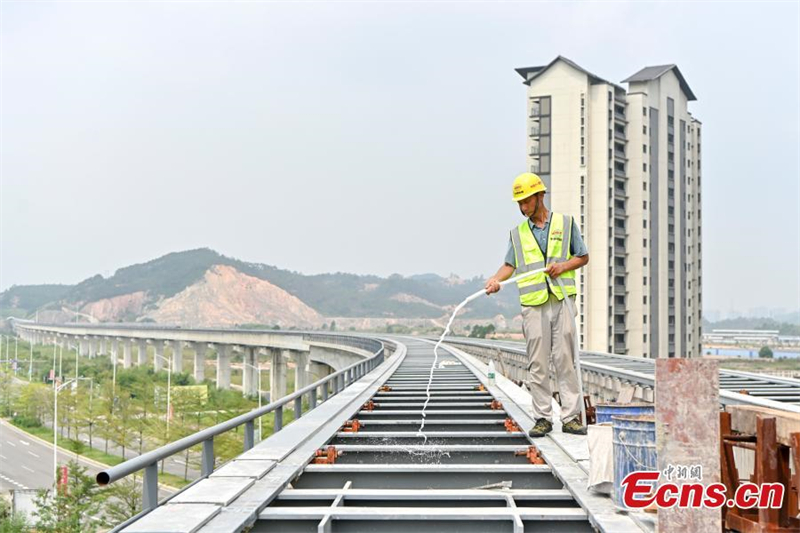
223	366
83	347
126	353
142	355
177	356
158	355
318	371
302	371
92	343
277	373
101	346
200	349
250	371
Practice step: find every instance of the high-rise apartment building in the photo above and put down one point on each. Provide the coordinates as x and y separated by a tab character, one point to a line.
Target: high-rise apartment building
626	165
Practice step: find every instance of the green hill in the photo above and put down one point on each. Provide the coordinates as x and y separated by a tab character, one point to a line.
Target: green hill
337	294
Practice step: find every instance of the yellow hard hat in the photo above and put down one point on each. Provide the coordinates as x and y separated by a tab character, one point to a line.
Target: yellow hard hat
527	184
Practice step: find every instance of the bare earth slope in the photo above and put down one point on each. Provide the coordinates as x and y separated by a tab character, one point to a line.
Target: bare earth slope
225	297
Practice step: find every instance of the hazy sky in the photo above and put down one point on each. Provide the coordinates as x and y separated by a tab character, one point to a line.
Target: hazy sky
363	137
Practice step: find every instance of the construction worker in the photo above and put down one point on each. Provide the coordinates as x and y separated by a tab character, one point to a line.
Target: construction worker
551	240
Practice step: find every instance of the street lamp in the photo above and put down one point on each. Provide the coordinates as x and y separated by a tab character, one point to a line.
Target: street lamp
169	387
257	369
56	389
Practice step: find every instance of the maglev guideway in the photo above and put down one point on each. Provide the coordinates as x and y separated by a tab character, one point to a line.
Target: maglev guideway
357	463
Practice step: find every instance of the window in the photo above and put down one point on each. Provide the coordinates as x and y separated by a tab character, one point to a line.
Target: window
644	111
644	168
644	281
644	130
644	148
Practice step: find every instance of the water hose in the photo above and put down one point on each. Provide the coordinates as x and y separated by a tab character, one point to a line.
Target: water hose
483	292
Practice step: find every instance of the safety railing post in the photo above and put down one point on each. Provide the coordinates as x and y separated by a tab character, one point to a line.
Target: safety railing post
278	419
207	459
249	435
150	487
298	407
312	398
325	391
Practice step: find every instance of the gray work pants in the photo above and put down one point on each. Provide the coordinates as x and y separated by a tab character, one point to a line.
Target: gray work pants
549	333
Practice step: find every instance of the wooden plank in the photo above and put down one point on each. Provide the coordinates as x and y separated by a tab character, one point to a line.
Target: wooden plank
687	434
744	420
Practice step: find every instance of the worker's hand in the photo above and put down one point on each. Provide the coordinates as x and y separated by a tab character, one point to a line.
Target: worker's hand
555	269
492	286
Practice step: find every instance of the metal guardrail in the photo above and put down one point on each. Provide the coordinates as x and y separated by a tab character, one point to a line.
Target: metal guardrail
149	461
763	391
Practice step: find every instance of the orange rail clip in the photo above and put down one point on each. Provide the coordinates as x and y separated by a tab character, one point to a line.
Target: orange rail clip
511	426
532	453
369	406
480	387
325	457
385	388
351	426
496	405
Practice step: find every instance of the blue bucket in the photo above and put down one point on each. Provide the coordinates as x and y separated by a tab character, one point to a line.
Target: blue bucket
634	439
604	411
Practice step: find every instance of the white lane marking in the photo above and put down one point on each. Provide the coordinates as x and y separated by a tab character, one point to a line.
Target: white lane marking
33	454
20	485
11	443
26	443
26	468
3	457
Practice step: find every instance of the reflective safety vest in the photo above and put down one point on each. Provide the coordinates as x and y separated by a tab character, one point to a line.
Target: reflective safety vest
535	290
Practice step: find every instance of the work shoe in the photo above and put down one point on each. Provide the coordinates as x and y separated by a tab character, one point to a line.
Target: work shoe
574	427
542	427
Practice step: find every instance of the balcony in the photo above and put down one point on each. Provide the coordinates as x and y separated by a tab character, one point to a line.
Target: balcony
619	309
534	150
536	131
620	155
619	250
619	136
619	290
620	117
619	173
536	110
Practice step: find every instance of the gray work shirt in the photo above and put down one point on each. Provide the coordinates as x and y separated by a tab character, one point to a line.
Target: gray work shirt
576	246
